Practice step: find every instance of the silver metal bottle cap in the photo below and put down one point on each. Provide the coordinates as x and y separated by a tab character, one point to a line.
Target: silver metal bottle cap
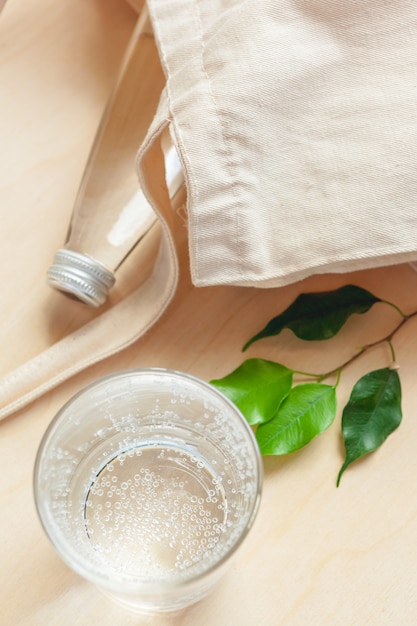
81	276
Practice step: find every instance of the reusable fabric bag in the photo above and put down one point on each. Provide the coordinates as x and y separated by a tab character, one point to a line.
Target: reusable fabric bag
295	123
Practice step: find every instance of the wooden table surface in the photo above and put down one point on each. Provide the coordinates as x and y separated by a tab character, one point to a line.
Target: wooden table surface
316	554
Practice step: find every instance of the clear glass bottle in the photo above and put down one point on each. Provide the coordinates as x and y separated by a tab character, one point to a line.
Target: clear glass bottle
111	213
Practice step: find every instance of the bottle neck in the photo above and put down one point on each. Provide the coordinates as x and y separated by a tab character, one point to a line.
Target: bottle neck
80	276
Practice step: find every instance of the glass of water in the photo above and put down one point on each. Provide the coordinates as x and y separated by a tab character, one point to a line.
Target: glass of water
146	482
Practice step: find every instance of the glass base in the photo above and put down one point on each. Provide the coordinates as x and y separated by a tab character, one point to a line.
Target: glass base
156	605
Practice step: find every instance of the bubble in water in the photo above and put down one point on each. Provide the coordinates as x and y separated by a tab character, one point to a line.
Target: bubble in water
160	516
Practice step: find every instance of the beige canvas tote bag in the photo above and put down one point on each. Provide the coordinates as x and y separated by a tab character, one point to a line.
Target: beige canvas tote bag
294	121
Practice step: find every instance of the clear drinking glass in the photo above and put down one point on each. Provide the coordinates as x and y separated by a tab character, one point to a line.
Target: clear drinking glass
146	482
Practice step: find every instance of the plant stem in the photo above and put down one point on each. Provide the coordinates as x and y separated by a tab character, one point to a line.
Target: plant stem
391	347
387	339
394	306
308	374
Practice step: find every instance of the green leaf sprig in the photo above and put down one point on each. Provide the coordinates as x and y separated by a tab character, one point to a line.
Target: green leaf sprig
286	414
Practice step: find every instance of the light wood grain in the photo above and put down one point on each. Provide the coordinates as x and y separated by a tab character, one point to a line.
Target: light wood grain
316	555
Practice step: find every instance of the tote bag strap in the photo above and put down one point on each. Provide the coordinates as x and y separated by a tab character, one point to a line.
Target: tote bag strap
129	319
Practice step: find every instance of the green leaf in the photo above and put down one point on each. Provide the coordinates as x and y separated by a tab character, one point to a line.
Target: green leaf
307	411
319	316
371	415
257	387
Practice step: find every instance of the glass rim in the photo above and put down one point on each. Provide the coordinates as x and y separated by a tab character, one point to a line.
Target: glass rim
79	564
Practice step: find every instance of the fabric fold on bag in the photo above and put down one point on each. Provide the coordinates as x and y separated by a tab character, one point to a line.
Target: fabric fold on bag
295	124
